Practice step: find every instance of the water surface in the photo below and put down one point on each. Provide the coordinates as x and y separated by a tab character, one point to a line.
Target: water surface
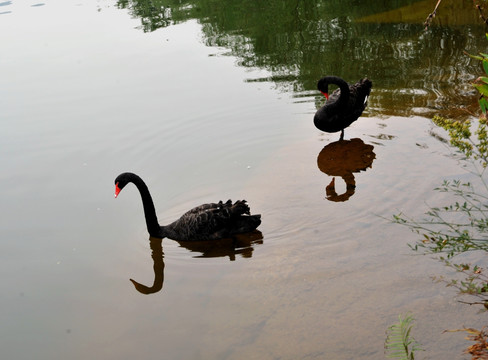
210	100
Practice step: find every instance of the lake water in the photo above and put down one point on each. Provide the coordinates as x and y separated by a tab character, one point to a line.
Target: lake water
210	100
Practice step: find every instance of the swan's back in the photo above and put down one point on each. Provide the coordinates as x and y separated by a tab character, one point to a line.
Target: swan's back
213	221
359	94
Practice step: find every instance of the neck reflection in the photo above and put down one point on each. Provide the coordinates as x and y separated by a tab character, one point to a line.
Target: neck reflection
157	255
241	244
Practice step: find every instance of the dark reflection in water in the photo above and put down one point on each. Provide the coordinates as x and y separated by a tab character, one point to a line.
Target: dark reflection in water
241	244
415	72
343	158
158	267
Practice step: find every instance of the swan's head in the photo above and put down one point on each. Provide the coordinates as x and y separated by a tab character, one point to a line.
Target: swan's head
121	181
117	189
323	86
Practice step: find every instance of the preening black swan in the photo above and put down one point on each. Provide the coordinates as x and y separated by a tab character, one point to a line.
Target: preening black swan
343	106
205	222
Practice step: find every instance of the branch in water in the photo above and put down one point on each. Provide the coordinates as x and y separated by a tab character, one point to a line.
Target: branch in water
482	15
431	16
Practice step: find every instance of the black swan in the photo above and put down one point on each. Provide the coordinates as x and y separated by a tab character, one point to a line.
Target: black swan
343	106
205	222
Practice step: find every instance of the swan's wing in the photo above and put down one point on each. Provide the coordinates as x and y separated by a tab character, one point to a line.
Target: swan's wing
210	220
336	94
361	90
202	208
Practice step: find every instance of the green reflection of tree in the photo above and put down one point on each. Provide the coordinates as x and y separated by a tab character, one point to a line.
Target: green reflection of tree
155	14
299	41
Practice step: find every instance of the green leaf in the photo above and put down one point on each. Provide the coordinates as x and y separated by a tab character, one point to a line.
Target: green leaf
483	89
399	344
485	65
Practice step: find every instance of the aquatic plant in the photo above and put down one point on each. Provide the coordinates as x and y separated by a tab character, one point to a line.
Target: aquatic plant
399	343
479	350
461	226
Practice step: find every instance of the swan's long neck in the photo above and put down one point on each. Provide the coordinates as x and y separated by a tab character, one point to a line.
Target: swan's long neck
152	224
345	92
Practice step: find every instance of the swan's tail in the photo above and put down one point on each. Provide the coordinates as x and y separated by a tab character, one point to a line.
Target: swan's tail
247	224
243	221
362	90
365	85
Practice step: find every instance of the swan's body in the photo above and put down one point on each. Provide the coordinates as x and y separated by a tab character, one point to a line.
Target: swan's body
205	222
343	106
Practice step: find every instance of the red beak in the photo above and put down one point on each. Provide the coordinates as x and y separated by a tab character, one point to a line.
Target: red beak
326	95
117	190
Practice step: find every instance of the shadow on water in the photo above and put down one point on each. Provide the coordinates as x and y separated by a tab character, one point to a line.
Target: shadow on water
343	158
241	244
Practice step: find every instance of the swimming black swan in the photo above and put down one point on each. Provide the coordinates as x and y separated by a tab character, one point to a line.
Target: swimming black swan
343	106
205	222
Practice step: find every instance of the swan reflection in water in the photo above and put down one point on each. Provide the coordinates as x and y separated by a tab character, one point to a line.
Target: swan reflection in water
343	158
241	244
157	255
